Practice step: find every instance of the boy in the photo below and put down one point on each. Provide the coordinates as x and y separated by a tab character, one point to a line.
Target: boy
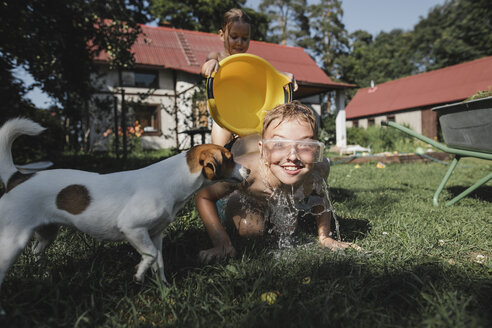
289	160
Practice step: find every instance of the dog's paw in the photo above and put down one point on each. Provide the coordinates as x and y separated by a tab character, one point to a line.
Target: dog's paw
138	279
2	313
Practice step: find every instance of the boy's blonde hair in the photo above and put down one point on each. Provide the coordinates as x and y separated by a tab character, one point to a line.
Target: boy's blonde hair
293	110
232	16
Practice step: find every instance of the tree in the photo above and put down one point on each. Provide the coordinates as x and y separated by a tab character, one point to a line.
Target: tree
289	23
56	41
302	32
329	37
204	15
279	14
454	32
386	57
12	93
457	31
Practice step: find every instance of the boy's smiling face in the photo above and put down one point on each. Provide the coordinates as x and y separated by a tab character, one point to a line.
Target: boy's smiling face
289	170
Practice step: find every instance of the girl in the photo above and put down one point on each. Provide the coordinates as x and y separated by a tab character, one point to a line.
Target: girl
235	32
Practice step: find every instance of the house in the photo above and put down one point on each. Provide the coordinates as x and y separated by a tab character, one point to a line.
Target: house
162	92
409	100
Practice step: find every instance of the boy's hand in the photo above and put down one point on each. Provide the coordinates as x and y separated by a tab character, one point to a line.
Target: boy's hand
211	65
217	253
332	244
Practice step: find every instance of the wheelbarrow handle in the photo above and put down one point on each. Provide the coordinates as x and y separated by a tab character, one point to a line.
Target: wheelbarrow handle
438	145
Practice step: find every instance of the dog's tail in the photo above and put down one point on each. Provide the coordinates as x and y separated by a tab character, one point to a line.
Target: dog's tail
8	133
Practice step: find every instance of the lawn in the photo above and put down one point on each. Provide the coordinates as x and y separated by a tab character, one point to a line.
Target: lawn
420	265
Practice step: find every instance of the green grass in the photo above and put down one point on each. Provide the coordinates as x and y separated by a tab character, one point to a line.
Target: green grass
417	269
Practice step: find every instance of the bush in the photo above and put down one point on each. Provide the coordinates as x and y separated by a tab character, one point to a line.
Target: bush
327	131
48	145
381	139
358	136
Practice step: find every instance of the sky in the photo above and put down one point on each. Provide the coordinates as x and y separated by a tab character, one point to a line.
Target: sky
372	16
375	16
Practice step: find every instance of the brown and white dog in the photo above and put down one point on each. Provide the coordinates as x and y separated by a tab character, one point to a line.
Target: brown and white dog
134	205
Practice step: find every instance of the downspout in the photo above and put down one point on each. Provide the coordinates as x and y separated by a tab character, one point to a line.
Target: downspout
341	129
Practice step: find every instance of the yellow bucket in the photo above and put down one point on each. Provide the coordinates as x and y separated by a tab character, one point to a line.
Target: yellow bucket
243	89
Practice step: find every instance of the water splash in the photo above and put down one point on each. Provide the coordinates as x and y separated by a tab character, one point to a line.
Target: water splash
284	209
282	214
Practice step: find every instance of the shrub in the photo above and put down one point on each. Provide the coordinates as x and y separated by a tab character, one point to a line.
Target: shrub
47	145
381	139
133	134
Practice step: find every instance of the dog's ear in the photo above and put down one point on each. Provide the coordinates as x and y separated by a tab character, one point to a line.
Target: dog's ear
208	162
227	154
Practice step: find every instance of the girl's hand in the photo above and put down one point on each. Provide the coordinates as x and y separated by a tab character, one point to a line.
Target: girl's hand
292	80
211	65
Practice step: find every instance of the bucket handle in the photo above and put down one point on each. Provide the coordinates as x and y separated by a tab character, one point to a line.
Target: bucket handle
210	88
288	93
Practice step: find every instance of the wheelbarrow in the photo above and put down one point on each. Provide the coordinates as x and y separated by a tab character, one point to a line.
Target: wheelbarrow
467	132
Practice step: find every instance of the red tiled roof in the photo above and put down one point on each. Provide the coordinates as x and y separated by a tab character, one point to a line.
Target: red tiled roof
445	85
186	50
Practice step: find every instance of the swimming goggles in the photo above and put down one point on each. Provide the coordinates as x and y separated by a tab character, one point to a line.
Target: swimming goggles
307	151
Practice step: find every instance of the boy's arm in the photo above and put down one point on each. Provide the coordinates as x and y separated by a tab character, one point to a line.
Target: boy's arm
211	65
324	220
206	203
320	203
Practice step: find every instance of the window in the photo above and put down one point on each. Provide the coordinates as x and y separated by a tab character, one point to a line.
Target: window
390	118
370	122
149	119
140	79
355	123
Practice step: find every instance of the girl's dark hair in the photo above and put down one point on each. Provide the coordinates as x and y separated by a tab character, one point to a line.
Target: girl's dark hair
233	16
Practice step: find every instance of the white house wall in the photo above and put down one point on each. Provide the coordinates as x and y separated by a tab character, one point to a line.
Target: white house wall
163	97
412	118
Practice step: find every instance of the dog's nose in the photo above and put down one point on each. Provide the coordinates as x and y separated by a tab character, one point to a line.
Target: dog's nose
244	172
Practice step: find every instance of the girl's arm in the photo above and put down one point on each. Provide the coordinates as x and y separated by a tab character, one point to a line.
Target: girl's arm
220	136
211	65
292	80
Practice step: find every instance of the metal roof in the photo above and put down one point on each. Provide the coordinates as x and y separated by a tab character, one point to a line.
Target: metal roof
184	50
445	85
